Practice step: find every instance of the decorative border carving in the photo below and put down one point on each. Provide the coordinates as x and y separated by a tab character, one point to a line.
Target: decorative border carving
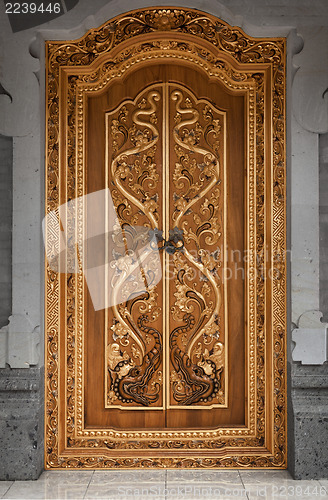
240	62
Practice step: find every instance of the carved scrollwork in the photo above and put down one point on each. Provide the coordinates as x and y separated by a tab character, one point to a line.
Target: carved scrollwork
198	136
231	40
134	347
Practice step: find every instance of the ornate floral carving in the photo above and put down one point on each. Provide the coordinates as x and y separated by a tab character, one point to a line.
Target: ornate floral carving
198	136
132	143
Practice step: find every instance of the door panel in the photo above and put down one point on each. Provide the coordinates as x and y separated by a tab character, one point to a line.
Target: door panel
173	354
169	166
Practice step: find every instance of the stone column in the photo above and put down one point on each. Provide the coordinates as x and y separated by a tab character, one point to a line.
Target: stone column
21	365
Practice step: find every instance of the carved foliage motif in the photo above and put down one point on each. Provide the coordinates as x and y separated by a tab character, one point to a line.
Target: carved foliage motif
228	42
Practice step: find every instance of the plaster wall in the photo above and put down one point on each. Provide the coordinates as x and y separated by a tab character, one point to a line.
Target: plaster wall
22	117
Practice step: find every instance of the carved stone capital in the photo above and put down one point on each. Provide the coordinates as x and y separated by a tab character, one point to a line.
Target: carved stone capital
19	342
310	86
310	338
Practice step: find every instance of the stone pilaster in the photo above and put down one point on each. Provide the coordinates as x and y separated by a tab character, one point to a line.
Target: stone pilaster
21	423
308	456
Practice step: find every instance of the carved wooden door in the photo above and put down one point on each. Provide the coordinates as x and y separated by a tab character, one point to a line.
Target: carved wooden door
175	165
175	120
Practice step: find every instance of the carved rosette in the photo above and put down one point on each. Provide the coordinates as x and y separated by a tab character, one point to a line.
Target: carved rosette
241	63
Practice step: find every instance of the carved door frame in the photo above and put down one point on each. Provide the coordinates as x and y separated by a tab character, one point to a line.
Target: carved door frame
243	64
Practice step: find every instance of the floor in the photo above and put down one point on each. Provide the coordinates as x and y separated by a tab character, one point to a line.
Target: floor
171	484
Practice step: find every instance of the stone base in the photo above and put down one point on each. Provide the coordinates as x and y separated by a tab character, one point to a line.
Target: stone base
22	417
21	423
308	422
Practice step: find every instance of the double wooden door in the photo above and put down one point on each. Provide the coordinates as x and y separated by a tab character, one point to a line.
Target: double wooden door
173	356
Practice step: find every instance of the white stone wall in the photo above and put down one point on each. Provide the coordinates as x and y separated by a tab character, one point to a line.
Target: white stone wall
22	76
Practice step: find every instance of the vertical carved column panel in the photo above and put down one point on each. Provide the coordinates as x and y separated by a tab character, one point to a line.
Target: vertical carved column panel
197	341
135	337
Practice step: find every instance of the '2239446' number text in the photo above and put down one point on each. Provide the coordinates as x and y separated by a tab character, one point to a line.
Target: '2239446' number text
32	8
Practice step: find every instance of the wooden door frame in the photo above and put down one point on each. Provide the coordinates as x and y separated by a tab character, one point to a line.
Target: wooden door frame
242	63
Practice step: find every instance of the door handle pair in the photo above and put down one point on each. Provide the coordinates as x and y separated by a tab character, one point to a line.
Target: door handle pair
175	242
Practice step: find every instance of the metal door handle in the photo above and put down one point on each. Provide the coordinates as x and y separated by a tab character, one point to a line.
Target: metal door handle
175	242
